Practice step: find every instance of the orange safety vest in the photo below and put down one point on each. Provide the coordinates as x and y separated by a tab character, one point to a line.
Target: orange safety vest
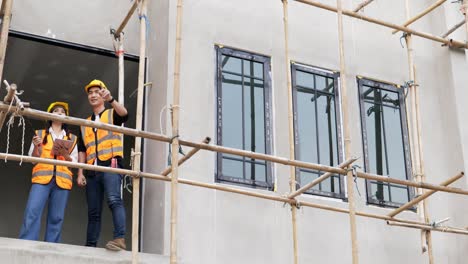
109	144
43	173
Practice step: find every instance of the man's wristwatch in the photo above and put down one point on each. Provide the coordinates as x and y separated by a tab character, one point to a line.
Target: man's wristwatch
111	100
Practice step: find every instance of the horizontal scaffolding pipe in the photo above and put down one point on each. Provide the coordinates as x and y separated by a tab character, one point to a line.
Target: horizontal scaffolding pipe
36	114
444	229
423	13
452	29
451	43
320	179
293	202
424	196
126	19
154	136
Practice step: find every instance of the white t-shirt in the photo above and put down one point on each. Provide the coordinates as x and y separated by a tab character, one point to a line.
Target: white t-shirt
74	153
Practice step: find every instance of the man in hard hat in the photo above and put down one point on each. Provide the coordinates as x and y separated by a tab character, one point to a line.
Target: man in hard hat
103	148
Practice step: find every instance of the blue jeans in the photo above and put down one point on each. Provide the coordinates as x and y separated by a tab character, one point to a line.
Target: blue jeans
37	200
97	185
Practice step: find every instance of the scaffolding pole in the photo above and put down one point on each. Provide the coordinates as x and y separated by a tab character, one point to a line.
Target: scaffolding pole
451	43
175	135
416	200
121	53
139	123
347	136
320	179
5	15
292	169
452	29
465	13
443	229
120	29
420	15
190	154
11	92
362	5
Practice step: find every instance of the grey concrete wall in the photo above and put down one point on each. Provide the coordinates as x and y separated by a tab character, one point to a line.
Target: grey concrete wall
76	21
155	155
217	227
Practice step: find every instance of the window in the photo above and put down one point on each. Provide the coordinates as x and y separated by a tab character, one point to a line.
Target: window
243	116
385	139
317	130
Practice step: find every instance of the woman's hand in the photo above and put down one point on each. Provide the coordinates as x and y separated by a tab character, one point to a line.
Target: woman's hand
37	141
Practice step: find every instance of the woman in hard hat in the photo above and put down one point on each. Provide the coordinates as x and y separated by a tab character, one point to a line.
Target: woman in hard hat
50	183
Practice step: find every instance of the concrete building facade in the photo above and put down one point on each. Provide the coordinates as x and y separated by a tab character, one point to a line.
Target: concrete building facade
219	227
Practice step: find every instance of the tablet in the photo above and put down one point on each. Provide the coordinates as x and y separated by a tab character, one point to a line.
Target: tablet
61	142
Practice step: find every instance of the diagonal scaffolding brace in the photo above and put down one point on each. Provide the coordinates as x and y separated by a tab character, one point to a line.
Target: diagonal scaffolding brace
418	199
362	5
451	43
420	15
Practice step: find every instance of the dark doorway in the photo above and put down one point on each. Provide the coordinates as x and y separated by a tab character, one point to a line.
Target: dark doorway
49	70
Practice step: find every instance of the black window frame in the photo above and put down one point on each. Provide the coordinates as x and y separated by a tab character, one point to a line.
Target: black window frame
266	61
327	74
405	137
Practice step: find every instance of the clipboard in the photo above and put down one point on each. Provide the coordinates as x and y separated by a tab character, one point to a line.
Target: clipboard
61	142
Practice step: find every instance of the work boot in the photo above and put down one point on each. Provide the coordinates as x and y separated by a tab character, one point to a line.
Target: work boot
116	244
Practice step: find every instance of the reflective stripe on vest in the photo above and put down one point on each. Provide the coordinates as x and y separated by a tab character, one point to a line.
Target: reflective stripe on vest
43	173
51	173
108	137
108	143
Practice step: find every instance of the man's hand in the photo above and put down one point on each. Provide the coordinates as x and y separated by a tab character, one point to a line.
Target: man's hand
105	94
81	180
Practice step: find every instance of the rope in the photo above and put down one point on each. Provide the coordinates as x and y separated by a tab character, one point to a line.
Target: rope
21	122
10	123
160	120
169	156
403	36
128	184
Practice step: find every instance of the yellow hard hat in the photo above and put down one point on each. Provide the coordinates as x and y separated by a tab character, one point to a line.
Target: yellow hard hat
61	104
95	83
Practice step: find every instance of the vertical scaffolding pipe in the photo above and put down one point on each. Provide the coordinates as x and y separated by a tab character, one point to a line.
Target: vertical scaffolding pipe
465	12
139	122
292	176
427	233
5	15
347	136
415	137
175	135
121	53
